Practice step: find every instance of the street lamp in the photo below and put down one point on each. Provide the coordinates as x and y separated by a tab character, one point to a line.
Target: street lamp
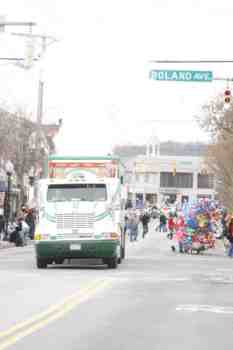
31	190
9	171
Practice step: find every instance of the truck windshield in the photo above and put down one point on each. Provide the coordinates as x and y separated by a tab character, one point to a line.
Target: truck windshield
81	192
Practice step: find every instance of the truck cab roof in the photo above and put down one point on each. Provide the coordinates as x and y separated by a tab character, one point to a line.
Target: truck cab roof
75	181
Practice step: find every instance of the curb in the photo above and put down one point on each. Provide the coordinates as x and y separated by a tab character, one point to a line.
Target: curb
5	245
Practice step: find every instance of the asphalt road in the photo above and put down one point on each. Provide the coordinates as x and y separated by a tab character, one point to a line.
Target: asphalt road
156	299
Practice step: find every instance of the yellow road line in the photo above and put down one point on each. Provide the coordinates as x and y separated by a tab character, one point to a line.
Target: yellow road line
45	313
53	313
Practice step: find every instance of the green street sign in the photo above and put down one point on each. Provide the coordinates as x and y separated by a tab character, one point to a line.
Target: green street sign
181	75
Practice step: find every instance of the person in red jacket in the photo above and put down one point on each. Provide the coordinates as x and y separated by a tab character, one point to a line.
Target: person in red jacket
171	226
180	222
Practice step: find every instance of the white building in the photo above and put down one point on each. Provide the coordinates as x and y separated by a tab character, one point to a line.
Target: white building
153	177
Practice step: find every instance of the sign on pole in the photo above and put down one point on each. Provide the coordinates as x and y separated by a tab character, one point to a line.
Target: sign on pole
181	75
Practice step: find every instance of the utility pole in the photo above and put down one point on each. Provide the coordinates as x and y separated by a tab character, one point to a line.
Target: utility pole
46	40
26	64
40	107
39	134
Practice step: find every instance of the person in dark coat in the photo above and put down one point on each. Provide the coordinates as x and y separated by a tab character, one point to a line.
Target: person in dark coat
162	222
145	218
30	220
2	225
133	227
230	238
16	234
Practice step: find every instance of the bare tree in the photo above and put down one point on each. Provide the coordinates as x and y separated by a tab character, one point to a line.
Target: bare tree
15	131
218	122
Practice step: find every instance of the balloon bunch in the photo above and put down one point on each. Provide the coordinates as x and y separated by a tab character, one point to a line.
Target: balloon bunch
196	231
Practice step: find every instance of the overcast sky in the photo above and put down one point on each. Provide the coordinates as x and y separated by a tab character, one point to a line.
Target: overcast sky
97	75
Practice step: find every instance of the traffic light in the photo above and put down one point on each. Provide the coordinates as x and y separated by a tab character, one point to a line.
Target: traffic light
227	96
31	180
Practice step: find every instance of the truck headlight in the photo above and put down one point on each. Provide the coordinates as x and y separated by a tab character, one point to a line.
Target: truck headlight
110	235
41	237
37	236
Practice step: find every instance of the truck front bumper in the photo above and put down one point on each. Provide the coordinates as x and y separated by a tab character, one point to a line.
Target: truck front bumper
86	249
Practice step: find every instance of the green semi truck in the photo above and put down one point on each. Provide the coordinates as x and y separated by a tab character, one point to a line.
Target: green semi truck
81	211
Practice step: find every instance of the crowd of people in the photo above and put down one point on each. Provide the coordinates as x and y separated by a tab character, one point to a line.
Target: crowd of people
21	229
133	218
196	227
191	227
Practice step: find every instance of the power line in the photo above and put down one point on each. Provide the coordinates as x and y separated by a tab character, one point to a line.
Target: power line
223	79
192	61
168	121
12	23
14	59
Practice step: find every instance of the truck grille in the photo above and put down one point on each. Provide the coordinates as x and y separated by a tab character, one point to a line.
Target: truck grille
74	221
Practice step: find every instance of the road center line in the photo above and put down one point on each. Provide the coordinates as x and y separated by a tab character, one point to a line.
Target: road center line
53	313
205	308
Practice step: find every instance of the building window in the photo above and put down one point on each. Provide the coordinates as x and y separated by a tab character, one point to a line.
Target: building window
147	178
205	181
137	178
139	200
180	180
128	178
153	178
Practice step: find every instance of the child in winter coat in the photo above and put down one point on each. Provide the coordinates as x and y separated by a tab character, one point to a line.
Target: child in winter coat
179	237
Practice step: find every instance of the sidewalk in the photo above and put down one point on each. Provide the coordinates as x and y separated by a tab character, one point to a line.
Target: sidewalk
5	244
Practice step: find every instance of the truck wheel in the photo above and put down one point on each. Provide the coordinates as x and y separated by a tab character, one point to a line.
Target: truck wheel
112	263
59	261
119	259
41	264
122	252
123	245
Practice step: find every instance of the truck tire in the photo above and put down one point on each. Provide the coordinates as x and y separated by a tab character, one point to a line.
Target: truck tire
119	259
123	246
112	263
122	252
59	261
41	264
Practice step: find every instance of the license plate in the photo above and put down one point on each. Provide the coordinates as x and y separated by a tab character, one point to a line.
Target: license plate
75	247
